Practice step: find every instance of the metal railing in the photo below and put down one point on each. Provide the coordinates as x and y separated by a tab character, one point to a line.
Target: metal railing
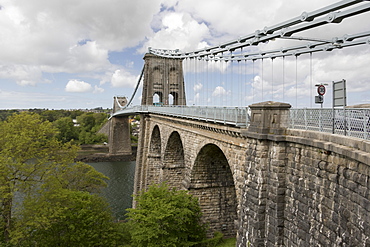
235	116
349	122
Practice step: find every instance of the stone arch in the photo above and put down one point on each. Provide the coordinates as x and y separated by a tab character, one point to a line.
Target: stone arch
211	180
155	141
157	97
173	161
175	98
171	100
154	156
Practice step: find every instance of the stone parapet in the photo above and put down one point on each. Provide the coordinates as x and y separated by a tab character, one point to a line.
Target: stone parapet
269	118
119	137
277	186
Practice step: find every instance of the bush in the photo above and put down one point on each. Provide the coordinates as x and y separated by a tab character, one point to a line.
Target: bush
166	217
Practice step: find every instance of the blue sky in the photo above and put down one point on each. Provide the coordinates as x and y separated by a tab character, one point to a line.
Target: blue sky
79	54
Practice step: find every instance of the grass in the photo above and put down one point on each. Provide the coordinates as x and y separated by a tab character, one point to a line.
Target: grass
230	242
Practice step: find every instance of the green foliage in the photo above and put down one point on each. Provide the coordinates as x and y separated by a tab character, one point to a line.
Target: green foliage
86	133
76	177
28	148
65	218
54	115
58	205
66	128
166	217
134	139
4	114
87	137
230	242
215	241
90	123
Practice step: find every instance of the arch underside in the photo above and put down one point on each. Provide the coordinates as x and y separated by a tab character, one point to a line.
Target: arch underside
154	157
212	182
173	162
210	179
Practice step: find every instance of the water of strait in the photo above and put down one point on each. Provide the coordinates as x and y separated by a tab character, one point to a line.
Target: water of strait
120	185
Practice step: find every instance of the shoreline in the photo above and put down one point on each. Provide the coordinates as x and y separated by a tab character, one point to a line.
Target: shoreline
99	153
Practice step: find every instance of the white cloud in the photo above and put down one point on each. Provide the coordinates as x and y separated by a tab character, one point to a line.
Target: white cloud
59	36
220	91
22	75
76	86
198	87
178	31
233	18
197	98
122	78
10	100
98	89
70	40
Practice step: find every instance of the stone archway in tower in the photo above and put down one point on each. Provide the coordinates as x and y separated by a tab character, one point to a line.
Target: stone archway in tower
173	161
157	98
171	100
212	182
154	157
175	98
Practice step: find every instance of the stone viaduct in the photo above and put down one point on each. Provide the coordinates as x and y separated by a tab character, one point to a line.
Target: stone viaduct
266	184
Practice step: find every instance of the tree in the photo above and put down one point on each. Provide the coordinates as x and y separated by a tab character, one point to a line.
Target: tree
90	123
64	211
34	164
28	148
4	114
67	130
86	121
166	217
64	217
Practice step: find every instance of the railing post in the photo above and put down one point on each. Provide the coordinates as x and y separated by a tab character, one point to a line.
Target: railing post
305	119
269	118
214	114
333	121
366	124
320	120
206	114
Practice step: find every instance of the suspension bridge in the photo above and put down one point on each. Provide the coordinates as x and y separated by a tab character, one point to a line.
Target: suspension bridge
270	174
226	72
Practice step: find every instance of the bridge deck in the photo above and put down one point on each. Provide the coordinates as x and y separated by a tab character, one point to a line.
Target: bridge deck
349	122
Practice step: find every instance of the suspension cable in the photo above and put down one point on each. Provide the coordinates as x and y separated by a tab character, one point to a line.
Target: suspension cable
283	77
296	81
134	93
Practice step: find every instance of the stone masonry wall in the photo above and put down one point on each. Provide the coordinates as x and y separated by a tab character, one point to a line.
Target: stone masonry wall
292	188
299	195
327	199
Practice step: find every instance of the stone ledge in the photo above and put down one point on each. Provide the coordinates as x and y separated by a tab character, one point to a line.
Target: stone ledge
351	142
207	126
354	148
259	136
349	147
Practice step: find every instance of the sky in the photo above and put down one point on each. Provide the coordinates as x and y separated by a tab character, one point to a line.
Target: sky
80	54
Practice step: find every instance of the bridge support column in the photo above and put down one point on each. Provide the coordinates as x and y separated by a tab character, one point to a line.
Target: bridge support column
262	223
119	136
269	118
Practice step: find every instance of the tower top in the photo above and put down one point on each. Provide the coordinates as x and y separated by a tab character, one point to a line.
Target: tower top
163	81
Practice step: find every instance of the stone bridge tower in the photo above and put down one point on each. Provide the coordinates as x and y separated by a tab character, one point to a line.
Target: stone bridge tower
163	77
119	137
